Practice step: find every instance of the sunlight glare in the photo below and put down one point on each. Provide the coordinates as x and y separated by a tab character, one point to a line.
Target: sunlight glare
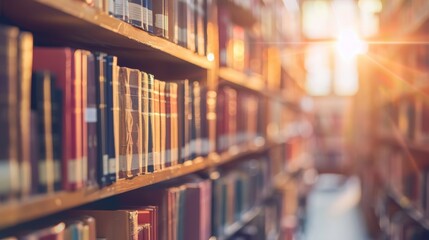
349	44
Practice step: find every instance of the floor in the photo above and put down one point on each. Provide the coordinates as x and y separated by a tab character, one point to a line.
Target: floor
332	210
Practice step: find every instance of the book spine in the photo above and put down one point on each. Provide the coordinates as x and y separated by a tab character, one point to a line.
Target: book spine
220	127
200	26
191	25
205	143
128	128
168	129
188	120
57	113
135	8
144	117
151	116
145	15
181	121
102	156
34	150
122	170
112	64
192	124
42	100
119	9
135	96
171	19
25	59
198	146
158	17
150	25
157	126
116	118
182	22
84	94
91	121
162	114
9	183
77	122
174	125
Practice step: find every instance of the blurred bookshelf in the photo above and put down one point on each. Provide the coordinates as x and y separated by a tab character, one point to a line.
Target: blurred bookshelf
237	125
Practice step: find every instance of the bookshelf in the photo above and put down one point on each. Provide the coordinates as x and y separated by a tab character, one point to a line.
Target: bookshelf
79	25
75	24
394	96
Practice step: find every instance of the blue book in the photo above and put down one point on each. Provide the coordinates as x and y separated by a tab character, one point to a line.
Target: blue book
111	62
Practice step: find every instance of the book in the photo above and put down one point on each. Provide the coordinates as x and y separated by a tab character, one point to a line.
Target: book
156	108
101	92
9	181
146	122
159	18
191	39
25	61
163	126
135	8
57	114
150	23
126	119
168	129
77	116
150	124
83	99
182	17
111	77
200	25
136	137
41	94
59	62
91	121
174	124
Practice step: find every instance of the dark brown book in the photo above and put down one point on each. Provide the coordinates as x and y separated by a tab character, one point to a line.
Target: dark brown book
200	26
182	18
159	18
146	124
91	121
125	151
150	124
9	177
41	102
191	25
25	61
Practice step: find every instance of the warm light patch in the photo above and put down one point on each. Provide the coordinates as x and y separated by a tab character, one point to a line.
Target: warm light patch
349	44
210	57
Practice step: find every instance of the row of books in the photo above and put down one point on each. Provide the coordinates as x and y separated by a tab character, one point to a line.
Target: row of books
238	47
239	191
407	117
396	223
192	208
80	119
400	173
238	120
183	22
75	228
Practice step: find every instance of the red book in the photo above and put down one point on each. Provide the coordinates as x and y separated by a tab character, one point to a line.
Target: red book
63	63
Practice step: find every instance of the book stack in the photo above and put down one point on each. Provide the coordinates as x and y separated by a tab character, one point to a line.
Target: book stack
180	211
237	121
80	227
76	119
238	192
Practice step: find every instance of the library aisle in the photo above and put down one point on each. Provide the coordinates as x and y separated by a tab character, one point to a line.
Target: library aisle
333	211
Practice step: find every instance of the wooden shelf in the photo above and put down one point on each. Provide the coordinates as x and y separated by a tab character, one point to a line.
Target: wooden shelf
253	82
73	23
22	211
404	143
413	212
